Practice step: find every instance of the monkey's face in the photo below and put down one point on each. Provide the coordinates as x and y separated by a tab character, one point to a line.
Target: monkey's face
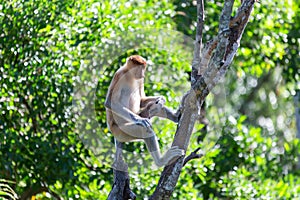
137	66
139	71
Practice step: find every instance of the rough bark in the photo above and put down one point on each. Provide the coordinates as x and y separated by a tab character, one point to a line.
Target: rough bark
218	56
121	188
198	42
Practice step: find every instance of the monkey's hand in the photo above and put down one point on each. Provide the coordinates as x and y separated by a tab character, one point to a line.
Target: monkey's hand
141	121
144	122
160	100
157	107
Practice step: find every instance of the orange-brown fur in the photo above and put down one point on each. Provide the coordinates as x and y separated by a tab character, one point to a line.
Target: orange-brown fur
128	109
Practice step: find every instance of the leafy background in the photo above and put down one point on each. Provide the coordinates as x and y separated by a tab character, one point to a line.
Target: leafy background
52	52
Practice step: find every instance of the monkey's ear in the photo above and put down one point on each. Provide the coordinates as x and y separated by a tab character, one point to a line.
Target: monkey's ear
137	60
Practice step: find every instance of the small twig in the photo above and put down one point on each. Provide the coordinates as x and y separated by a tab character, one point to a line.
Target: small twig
31	113
193	155
198	42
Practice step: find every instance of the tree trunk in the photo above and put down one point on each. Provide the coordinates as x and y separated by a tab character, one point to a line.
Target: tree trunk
121	188
211	66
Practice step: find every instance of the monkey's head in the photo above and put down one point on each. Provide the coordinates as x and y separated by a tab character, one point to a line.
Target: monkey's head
137	66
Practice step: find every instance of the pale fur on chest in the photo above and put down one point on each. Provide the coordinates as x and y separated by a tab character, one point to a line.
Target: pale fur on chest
133	94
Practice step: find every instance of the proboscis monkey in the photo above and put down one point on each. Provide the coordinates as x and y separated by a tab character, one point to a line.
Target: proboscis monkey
128	110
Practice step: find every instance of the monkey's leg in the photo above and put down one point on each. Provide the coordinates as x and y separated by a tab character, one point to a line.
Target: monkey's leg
153	148
121	187
136	131
119	163
148	135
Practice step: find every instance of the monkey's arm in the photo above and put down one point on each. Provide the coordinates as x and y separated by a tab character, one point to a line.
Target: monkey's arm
165	112
158	109
146	100
155	106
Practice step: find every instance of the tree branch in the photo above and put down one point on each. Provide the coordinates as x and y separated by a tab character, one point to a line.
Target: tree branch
31	113
229	40
198	43
193	155
210	46
223	34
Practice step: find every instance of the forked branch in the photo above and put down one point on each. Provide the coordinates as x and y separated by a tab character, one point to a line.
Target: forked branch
220	54
193	155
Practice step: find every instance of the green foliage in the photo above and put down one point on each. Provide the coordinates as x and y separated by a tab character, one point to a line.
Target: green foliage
270	40
38	143
6	190
245	164
44	45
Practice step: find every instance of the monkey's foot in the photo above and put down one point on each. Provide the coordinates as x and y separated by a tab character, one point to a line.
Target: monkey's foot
170	155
